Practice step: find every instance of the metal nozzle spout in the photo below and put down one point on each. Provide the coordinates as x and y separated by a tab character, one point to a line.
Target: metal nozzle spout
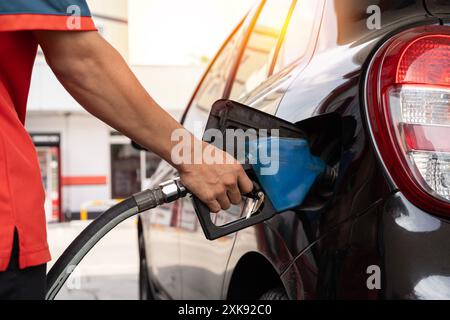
166	192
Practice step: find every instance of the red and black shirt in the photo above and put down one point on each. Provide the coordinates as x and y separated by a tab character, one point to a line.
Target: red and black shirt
21	190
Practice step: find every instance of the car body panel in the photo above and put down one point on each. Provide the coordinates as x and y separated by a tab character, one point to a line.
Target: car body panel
331	83
321	254
163	237
416	252
164	229
336	70
265	98
438	8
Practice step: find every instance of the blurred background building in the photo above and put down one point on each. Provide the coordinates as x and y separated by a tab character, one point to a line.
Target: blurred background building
87	165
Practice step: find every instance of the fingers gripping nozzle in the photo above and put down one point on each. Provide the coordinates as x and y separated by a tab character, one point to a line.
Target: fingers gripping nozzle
166	192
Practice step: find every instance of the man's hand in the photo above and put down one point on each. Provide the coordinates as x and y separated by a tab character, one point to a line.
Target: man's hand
95	74
217	185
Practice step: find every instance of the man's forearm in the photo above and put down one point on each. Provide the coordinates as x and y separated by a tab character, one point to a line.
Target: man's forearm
101	81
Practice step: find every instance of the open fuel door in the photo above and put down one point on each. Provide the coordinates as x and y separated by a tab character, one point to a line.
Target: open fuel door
313	143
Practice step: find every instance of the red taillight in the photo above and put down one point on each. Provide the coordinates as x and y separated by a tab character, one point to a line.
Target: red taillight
425	60
408	104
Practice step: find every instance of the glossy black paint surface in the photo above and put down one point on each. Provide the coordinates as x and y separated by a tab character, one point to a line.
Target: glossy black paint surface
326	253
438	7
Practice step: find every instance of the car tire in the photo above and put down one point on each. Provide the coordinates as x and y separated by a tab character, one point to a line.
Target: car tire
275	294
145	289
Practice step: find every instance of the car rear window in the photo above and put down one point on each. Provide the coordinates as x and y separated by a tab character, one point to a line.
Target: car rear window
298	34
258	55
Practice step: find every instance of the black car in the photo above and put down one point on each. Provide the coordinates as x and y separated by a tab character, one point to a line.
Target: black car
383	230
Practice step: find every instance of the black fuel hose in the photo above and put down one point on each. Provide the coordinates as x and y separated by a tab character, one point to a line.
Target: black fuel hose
97	229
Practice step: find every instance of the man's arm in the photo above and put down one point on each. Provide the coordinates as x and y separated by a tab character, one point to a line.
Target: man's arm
95	74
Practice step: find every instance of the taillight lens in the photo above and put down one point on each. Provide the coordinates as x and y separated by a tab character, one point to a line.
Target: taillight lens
408	104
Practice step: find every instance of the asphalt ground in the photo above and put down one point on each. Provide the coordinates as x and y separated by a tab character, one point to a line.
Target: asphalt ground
108	272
